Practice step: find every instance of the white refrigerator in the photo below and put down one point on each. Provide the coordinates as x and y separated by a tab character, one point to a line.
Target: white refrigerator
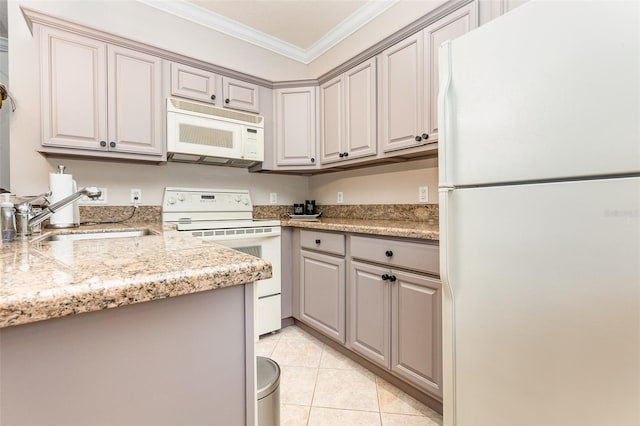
539	163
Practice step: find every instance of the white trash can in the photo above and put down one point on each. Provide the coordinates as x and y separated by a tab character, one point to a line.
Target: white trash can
268	384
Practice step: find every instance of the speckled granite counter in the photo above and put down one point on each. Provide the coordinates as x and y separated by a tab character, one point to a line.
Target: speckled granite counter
41	280
393	228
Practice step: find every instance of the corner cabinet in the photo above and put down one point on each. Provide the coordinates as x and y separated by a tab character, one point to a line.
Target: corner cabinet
99	100
348	115
409	82
295	126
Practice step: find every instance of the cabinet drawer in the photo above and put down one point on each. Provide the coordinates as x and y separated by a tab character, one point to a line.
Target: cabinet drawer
323	241
402	254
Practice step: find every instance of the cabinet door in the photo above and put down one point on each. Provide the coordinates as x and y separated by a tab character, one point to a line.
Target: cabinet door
240	95
193	83
401	100
360	110
74	90
135	104
331	120
322	293
450	27
369	312
416	346
296	126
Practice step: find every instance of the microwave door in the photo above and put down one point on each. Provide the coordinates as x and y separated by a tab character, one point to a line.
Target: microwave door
193	135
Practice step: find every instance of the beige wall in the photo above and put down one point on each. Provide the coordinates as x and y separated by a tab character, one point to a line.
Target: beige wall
391	184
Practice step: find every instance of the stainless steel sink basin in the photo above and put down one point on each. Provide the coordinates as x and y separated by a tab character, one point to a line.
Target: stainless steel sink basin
97	235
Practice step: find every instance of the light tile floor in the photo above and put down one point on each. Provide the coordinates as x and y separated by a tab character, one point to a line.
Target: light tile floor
320	386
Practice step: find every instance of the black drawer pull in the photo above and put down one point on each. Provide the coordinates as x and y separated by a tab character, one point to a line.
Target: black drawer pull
392	278
103	143
213	97
385	277
388	253
317	241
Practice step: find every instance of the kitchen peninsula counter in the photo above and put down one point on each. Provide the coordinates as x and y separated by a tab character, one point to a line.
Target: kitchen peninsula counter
161	363
41	280
427	230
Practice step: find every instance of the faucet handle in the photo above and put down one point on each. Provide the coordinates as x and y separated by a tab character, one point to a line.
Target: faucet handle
25	206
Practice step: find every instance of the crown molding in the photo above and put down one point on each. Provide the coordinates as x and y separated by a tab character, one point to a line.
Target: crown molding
199	15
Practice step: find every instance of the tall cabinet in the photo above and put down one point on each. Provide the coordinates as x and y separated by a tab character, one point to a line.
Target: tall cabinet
409	82
101	98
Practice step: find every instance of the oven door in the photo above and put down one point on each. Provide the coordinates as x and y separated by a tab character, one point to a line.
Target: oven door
267	248
267	292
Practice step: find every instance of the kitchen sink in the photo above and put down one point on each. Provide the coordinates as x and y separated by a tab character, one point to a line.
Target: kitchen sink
97	235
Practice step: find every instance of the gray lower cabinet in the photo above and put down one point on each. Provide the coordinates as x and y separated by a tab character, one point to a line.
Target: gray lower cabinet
322	293
369	313
394	321
416	331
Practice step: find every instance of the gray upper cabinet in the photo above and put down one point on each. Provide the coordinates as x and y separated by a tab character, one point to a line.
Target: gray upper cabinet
322	293
135	102
416	302
295	126
401	102
194	83
409	82
450	27
99	99
74	90
240	95
348	118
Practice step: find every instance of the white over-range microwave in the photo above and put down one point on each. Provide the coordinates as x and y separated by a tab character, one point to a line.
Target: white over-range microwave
200	133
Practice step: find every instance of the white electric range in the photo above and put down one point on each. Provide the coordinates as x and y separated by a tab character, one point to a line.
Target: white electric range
226	217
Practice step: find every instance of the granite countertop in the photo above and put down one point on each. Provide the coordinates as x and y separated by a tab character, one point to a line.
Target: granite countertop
41	280
392	228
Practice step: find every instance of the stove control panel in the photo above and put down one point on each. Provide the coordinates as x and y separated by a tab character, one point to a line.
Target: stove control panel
199	203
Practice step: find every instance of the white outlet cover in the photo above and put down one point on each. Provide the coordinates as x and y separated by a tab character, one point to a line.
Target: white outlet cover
423	194
134	192
340	198
273	197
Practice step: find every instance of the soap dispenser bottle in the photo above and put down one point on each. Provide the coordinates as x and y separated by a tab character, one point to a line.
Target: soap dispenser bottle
7	219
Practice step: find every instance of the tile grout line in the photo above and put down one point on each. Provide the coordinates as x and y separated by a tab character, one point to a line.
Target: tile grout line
375	379
315	384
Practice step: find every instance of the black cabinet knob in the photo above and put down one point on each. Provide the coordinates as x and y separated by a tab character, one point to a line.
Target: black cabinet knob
425	136
385	277
226	101
345	154
341	155
392	278
103	143
418	138
317	241
313	160
388	253
112	144
213	97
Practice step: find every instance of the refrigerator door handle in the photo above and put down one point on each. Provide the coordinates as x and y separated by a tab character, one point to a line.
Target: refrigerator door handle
444	120
448	310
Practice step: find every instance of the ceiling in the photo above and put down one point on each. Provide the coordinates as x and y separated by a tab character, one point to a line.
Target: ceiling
299	29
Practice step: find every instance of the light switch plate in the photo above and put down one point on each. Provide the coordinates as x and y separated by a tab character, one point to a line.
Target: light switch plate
273	197
340	197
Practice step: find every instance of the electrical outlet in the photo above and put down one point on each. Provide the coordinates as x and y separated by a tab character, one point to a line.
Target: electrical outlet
86	201
273	197
340	198
136	196
423	194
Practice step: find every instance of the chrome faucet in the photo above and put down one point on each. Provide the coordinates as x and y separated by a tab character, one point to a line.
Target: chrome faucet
25	212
